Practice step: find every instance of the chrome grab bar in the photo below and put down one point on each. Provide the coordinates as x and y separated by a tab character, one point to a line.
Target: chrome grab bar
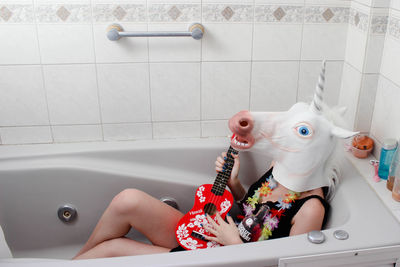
116	32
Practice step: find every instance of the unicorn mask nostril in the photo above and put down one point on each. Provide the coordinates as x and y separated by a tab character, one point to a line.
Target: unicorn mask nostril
243	123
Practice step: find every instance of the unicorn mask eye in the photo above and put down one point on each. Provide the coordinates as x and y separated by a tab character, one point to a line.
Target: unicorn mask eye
303	130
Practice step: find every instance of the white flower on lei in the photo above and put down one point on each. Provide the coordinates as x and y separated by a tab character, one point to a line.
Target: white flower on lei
248	209
190	243
182	232
271	221
213	244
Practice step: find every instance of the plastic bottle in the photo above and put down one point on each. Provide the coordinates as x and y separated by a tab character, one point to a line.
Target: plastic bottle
393	168
249	225
387	153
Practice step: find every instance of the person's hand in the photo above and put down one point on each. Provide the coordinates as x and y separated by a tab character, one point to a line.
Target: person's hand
219	166
224	233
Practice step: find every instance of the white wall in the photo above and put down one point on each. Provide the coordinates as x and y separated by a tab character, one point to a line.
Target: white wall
61	80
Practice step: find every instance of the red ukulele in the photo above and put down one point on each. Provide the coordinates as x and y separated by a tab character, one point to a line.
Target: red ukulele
209	199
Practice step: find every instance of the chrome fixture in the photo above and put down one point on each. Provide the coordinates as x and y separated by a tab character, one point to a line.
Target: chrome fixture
115	32
316	237
341	234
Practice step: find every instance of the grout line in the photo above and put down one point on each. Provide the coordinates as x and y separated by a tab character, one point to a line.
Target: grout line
149	71
301	52
42	70
201	73
96	71
251	55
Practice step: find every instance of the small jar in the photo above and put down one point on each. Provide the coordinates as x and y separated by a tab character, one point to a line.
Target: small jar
396	184
393	168
387	153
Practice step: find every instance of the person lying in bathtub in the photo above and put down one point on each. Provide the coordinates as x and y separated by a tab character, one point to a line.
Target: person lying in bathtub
301	141
295	213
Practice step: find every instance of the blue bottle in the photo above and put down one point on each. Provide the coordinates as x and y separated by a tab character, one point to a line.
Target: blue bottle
387	152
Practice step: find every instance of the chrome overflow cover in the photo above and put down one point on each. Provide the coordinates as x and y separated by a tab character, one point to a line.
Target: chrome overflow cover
67	213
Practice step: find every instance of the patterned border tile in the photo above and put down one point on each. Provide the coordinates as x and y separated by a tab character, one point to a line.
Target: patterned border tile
359	19
174	13
58	13
394	27
227	13
276	13
323	14
379	24
119	12
13	13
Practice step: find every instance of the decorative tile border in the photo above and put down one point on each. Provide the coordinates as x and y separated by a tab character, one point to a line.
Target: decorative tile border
14	13
379	24
121	12
359	19
69	13
323	14
227	13
394	27
274	13
174	13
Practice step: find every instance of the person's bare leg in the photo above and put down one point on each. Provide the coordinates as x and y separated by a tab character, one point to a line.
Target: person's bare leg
134	208
121	247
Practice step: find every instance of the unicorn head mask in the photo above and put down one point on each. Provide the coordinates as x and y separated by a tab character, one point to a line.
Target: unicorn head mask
300	140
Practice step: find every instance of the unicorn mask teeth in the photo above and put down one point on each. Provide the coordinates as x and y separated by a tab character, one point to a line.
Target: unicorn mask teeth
300	140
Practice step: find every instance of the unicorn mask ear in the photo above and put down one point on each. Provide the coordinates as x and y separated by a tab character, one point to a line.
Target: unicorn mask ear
341	110
342	133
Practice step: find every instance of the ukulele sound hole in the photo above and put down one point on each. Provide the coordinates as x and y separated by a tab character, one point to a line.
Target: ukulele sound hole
210	209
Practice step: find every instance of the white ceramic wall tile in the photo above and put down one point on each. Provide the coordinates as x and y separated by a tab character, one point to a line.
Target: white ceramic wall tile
127	131
26	135
175	91
391	60
356	47
23	98
386	117
324	41
277	42
225	89
173	49
273	85
72	94
176	129
66	43
227	42
215	128
123	50
19	44
366	102
77	133
308	77
395	4
124	92
349	93
374	52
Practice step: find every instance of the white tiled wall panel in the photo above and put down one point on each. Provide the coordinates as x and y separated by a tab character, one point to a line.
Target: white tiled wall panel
273	85
175	91
62	79
124	92
23	98
72	94
225	89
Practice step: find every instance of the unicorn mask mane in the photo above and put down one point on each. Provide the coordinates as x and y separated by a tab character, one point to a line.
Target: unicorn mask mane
301	140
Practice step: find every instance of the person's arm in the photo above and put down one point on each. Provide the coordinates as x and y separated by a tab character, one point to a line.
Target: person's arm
308	218
234	184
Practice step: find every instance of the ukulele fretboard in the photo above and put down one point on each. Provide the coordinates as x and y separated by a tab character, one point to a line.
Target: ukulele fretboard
223	176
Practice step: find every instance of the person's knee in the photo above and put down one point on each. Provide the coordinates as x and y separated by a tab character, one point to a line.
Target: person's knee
127	201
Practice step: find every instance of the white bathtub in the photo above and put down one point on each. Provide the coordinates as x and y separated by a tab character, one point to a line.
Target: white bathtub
36	179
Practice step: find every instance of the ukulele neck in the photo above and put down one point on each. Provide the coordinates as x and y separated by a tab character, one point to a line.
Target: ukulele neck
222	178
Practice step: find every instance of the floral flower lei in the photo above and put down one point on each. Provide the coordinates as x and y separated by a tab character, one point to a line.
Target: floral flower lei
271	220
